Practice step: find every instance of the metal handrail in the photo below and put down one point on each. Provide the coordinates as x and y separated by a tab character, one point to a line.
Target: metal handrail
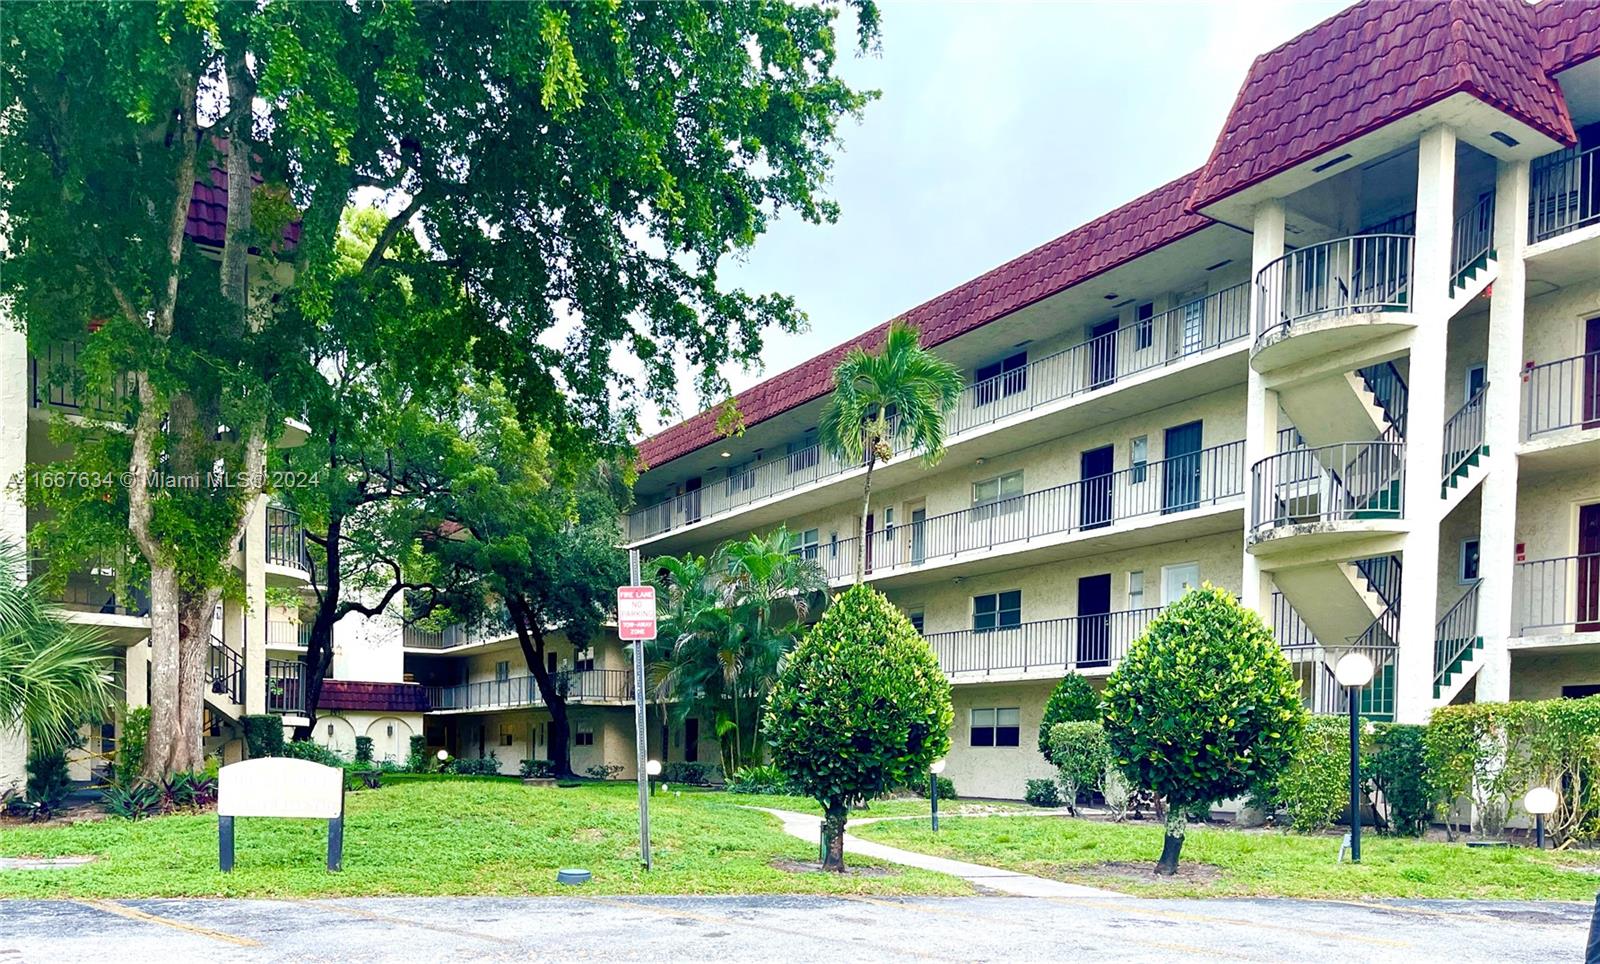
1069	643
225	671
286	539
1560	594
285	686
1389	390
1182	483
1464	434
1456	632
1564	193
1562	394
1094	364
1364	272
1330	483
1471	237
1383	574
1288	628
54	381
577	686
286	635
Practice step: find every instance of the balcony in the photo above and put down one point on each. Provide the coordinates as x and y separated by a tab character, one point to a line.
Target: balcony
1564	193
56	382
1329	296
1053	646
286	686
1328	494
579	686
286	540
1312	663
283	634
1561	413
1559	596
1096	365
1171	487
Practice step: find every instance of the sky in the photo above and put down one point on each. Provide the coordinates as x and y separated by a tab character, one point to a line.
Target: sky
1001	125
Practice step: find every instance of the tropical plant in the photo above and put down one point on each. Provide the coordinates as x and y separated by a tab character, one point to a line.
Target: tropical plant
1397	769
1081	754
363	749
1203	708
1315	786
763	778
536	769
688	773
897	395
1072	701
1043	792
54	675
861	706
133	802
49	780
727	623
130	745
263	735
605	771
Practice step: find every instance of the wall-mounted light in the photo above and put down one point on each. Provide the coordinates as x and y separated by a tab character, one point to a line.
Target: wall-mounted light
726	455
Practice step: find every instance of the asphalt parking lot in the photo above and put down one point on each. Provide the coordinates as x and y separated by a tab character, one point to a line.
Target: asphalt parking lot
789	928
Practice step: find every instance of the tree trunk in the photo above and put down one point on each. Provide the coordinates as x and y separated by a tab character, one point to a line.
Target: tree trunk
1177	822
319	647
866	510
833	820
530	636
165	717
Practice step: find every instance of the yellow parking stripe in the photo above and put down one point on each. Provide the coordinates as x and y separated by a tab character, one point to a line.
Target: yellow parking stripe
111	907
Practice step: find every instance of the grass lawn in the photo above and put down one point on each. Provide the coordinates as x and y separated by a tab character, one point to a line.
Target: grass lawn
449	836
1227	862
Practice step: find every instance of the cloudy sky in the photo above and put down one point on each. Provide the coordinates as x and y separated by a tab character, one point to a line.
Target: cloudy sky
1001	126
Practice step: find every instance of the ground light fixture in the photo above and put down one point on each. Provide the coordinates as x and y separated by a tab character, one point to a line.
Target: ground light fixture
934	769
1541	802
1353	671
652	769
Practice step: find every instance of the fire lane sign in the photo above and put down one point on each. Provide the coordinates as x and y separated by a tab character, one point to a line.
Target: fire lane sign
636	612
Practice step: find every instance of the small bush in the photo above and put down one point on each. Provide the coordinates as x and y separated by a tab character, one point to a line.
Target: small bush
1117	791
766	778
1081	754
692	774
313	751
363	749
263	735
537	769
49	783
1315	786
191	790
605	771
417	757
1042	793
130	746
1397	769
483	766
133	802
1072	701
947	788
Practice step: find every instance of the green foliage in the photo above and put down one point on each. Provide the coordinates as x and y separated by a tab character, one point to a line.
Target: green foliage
313	751
1043	793
765	778
191	789
133	801
1203	707
263	735
919	786
49	781
484	766
537	769
1315	787
1072	701
131	739
1397	769
363	749
691	774
605	771
1081	754
861	706
417	754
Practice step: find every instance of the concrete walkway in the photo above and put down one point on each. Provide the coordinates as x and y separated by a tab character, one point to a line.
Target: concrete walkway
809	827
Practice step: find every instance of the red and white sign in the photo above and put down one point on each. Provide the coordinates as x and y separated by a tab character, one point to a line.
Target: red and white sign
636	612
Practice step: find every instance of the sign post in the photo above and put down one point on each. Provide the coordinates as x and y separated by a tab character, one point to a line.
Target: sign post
636	622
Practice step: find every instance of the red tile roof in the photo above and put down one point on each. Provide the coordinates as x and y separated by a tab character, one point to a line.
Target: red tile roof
1130	231
1569	32
340	694
1370	65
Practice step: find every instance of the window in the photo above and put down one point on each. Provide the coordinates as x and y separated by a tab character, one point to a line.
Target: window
583	738
1004	378
691	740
807	548
1136	589
803	454
1144	329
995	496
1139	457
502	671
508	735
997	610
915	616
1177	580
996	727
1467	568
583	659
1477	378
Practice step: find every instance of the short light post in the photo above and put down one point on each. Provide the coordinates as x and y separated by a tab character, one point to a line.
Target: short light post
934	769
1353	671
653	770
444	757
1541	802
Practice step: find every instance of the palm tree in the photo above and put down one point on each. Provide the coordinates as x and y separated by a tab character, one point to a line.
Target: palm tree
901	394
54	675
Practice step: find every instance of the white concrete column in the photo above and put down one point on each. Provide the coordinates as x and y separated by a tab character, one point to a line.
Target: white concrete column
1261	404
254	617
1497	526
14	404
1425	417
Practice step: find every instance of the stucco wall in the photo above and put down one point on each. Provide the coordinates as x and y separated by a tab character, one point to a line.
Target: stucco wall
1540	676
997	771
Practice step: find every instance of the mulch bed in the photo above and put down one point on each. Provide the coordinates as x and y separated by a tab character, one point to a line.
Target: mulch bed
813	867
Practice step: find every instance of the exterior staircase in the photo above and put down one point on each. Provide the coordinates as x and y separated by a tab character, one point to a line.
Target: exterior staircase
1464	449
1455	641
1473	262
225	680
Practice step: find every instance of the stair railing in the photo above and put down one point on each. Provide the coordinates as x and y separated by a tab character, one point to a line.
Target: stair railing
1382	574
1471	239
1389	388
1455	633
225	671
1464	434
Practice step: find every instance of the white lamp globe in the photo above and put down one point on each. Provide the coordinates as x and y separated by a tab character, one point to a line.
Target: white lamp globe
444	755
1540	801
936	767
1353	669
652	768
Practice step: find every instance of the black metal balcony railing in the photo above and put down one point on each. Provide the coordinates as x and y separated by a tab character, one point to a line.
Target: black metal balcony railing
56	381
1464	435
1330	483
1367	272
1558	595
1472	239
286	539
1564	193
95	591
1069	643
1562	394
1098	363
603	685
1203	478
225	671
285	686
1455	634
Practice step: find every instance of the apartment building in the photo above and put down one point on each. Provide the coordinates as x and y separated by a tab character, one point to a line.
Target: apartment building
1348	369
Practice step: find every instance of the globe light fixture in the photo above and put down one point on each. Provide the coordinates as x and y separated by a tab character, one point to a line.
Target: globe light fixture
443	755
937	766
653	768
1353	669
1541	802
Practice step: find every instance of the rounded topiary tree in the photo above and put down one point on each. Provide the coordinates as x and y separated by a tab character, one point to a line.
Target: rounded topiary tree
1203	708
1072	701
861	706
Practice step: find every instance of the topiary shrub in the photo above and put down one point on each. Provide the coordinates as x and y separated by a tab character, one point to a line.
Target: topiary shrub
1204	707
1072	701
1315	786
1042	793
263	735
536	769
860	706
417	755
1081	754
1397	769
363	749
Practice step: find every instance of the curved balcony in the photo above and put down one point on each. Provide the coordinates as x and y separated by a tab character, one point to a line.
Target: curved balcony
1327	296
1329	494
286	545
